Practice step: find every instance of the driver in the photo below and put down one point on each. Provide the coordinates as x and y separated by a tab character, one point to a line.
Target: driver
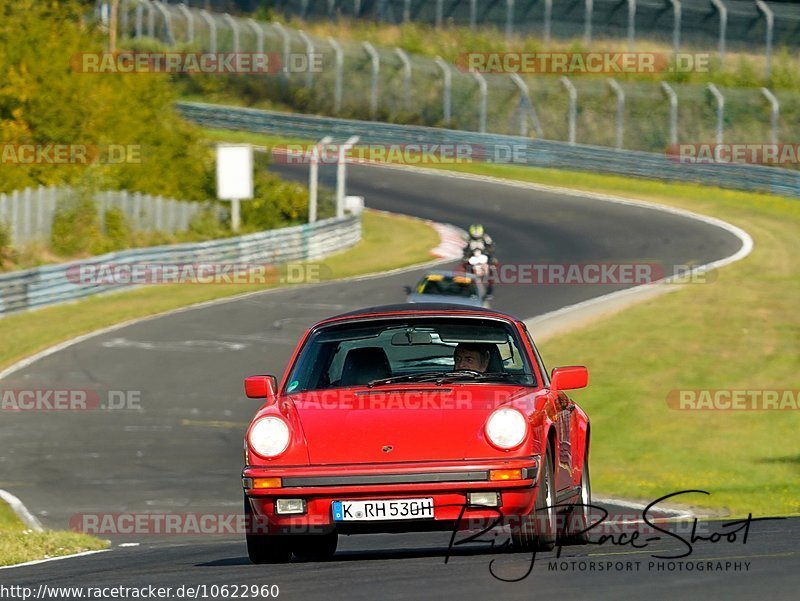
474	357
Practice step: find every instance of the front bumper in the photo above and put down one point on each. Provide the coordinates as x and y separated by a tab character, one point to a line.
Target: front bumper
446	482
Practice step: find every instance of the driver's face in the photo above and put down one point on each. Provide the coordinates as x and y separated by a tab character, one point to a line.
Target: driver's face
466	359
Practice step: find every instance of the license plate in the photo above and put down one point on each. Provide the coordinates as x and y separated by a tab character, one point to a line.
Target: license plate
387	509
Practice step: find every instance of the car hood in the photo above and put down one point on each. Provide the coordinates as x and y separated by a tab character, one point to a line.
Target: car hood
400	424
445	298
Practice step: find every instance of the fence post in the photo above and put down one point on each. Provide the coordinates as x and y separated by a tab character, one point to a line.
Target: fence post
376	69
509	18
548	13
770	18
587	21
720	110
139	19
137	210
52	205
189	22
124	17
406	77
723	26
332	10
526	97
234	29
473	13
631	25
40	226
406	11
313	179
620	118
447	91
775	109
286	48
356	8
676	25
673	111
341	175
310	54
483	89
439	13
573	108
14	225
26	213
259	34
337	85
167	21
212	30
151	20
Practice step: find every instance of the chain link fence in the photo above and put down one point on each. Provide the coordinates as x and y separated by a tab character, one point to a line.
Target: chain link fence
28	214
360	81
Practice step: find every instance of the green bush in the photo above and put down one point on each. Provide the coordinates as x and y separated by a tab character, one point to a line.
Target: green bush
76	228
5	236
117	229
206	225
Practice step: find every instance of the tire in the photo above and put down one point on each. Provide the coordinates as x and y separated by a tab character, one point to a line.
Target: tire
315	547
266	548
579	518
537	531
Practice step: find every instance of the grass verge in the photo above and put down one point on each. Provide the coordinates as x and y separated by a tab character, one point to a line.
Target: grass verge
24	334
739	331
18	544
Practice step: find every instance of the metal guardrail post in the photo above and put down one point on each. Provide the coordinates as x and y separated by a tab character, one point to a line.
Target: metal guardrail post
770	19
212	30
406	77
548	15
676	25
631	25
587	21
337	83
313	178
167	21
526	96
310	54
447	90
234	30
189	16
572	111
620	116
376	70
341	175
282	31
259	34
509	18
484	93
439	13
720	110
723	27
673	111
775	109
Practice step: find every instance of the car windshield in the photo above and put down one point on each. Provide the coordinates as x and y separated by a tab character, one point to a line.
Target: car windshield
448	285
381	352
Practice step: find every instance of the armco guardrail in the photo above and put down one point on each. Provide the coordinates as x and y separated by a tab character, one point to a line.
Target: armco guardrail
534	153
53	284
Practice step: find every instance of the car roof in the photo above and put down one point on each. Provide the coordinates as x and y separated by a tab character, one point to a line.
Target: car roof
401	309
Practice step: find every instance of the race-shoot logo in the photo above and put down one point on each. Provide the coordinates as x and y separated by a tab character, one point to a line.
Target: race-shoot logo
581	63
735	153
193	63
709	399
69	154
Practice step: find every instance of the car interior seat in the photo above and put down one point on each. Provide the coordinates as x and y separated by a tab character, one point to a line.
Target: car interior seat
362	365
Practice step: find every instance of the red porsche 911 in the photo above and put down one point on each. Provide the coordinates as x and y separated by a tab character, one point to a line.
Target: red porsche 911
414	417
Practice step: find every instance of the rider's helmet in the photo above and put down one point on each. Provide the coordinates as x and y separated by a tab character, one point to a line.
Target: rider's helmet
476	230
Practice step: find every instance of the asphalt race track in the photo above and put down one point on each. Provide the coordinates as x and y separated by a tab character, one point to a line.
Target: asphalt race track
182	451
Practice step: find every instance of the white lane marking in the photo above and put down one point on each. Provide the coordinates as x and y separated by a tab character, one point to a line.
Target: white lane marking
22	512
184	345
49	559
678	513
129	544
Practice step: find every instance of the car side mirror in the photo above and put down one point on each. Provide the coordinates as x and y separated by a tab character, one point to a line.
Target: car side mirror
569	378
260	387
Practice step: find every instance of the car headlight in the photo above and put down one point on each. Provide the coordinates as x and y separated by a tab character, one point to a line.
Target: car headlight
269	436
506	428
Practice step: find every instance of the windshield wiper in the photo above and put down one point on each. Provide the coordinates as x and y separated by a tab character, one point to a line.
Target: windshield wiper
477	376
431	375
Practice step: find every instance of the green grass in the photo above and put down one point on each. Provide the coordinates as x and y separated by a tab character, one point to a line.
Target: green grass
18	544
23	334
740	331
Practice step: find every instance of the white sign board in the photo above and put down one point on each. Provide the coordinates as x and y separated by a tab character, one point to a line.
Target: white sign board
234	171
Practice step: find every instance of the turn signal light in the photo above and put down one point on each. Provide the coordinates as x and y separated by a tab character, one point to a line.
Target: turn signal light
266	483
505	474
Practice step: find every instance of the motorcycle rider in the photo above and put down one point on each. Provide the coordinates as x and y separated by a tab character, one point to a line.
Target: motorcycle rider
481	241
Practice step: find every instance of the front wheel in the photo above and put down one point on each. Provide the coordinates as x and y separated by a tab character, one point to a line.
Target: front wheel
537	530
579	517
264	548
